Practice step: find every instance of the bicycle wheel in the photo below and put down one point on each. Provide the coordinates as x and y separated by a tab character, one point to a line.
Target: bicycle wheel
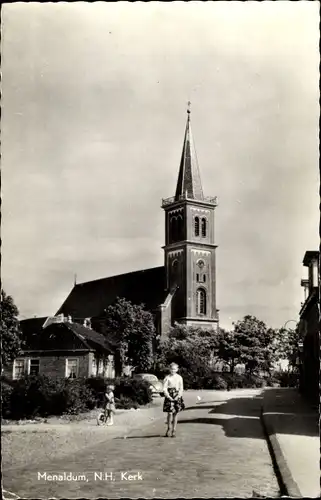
101	419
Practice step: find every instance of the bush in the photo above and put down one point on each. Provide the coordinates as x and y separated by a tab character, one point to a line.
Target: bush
126	403
137	390
209	379
6	393
286	379
33	396
243	381
127	391
196	376
98	387
215	381
40	396
75	397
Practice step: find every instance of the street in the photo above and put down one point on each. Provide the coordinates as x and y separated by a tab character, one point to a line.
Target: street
220	451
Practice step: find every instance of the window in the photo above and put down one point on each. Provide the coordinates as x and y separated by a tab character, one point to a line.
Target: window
200	278
18	368
173	229
197	226
204	227
34	365
72	367
101	367
94	367
315	274
180	228
110	366
175	271
201	301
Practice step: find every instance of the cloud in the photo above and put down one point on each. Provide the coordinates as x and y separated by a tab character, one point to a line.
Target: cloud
93	103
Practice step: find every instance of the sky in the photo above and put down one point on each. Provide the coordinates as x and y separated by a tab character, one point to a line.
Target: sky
93	116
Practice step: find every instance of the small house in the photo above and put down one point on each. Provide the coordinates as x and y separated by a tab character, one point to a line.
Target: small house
58	347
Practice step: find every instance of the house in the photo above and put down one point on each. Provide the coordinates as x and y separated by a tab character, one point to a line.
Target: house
58	347
309	328
184	289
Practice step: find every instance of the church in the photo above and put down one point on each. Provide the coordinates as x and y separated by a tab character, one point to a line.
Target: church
184	289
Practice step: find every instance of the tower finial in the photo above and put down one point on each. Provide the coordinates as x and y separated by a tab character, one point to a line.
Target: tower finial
189	108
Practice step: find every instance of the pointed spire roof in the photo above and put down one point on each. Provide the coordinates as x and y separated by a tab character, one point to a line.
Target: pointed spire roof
189	181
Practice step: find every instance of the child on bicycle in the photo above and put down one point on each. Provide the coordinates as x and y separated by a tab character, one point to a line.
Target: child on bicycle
109	408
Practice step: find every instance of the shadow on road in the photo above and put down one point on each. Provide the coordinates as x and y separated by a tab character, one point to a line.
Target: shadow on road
141	436
243	406
284	408
241	427
289	413
197	407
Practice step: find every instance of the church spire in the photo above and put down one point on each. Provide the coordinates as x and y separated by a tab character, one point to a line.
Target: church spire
189	181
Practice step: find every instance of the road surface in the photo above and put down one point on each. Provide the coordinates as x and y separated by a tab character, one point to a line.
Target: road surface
220	451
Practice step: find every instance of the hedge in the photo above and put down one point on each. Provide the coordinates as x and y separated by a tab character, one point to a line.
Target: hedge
283	379
129	393
41	396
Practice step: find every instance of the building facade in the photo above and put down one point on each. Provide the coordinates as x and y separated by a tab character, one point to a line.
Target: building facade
309	328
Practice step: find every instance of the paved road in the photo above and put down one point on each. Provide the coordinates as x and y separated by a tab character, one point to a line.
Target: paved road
220	450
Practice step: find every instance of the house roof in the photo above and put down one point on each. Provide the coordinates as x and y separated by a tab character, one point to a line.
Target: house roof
66	336
310	255
91	337
32	325
89	299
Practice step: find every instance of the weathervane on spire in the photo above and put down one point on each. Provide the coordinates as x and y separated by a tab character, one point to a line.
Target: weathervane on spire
189	107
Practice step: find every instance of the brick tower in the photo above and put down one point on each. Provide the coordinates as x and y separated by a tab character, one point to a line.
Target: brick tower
190	245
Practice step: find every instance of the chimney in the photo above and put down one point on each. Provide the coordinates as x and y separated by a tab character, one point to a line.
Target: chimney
59	318
87	323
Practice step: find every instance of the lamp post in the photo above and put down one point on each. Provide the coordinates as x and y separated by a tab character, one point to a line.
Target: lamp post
300	364
289	321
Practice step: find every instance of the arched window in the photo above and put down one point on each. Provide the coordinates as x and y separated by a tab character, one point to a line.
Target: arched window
197	226
204	227
201	301
175	271
180	228
173	229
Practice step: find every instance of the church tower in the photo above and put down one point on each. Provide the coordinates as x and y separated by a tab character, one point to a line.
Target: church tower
190	245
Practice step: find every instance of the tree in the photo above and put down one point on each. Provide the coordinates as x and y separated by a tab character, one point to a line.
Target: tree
286	345
10	330
132	329
255	343
228	349
191	348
